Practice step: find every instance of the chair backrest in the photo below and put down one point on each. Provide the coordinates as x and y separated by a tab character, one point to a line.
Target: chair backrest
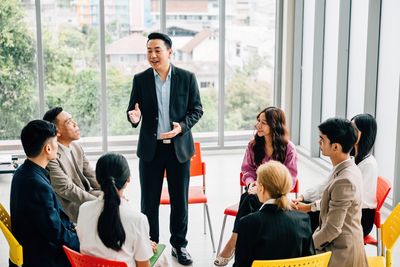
320	260
197	166
391	228
5	217
80	260
15	254
382	190
383	187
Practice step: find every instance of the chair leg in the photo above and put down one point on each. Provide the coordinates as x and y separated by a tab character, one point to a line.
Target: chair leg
209	225
204	218
221	235
389	258
379	250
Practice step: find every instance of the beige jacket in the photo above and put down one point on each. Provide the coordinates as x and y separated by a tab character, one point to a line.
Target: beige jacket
340	228
73	185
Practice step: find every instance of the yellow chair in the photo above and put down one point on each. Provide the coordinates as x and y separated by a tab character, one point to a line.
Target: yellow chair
5	217
376	261
15	247
390	232
320	260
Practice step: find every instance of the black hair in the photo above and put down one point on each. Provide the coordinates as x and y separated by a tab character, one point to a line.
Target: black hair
339	131
52	114
366	124
35	135
112	172
276	121
161	36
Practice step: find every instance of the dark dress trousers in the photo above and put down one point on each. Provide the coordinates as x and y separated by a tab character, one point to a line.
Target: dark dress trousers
37	219
272	233
155	157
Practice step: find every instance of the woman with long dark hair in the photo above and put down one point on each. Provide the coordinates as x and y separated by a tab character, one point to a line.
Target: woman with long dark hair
362	152
109	227
271	142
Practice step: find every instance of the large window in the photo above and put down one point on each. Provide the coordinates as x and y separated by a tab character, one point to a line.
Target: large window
18	94
66	66
357	57
307	75
249	62
193	26
70	34
126	37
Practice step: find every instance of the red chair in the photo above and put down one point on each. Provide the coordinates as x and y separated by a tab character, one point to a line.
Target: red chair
80	260
197	194
232	210
383	187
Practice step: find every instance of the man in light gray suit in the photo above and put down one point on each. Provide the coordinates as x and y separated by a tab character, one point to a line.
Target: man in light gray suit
71	176
340	229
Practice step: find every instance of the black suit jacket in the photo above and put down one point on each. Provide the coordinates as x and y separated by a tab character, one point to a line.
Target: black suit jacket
271	234
184	107
37	219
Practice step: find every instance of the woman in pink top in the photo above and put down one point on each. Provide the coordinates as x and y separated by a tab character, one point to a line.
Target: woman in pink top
271	141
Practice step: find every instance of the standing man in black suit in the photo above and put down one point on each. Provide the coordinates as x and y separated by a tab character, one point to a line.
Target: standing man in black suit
38	220
166	100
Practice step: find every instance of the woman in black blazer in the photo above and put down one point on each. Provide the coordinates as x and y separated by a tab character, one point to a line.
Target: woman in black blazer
275	231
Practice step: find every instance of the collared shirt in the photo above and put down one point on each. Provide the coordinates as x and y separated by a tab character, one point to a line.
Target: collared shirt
269	201
163	90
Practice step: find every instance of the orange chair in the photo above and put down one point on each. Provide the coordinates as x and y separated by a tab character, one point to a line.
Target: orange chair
80	260
383	187
232	210
197	194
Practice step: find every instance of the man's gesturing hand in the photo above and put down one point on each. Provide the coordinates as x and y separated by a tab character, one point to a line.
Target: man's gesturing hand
171	134
134	115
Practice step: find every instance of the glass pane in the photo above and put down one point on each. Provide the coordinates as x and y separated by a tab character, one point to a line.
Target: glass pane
357	57
193	27
71	62
126	38
307	75
249	59
330	58
18	67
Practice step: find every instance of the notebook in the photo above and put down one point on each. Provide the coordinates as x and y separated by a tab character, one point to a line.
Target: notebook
157	254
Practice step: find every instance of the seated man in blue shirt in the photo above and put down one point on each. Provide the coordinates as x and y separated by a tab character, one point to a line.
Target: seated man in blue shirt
38	221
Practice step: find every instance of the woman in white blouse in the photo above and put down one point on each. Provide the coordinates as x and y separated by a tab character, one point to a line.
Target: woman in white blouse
109	227
362	153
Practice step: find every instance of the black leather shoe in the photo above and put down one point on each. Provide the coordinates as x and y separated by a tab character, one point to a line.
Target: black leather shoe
182	255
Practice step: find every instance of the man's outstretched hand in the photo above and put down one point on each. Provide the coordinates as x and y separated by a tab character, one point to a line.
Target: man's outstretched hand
135	114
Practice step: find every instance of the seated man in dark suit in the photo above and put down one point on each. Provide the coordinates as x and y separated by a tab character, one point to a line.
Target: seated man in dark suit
38	221
72	177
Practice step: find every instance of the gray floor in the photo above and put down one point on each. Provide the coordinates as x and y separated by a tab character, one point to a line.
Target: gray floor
223	169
